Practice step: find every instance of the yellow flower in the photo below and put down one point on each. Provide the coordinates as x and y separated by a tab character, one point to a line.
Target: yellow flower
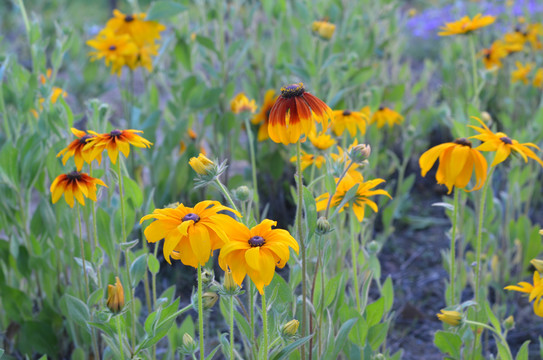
141	31
514	41
384	116
191	234
75	184
115	141
256	252
503	145
115	296
241	103
457	160
361	198
466	25
263	115
116	50
290	328
538	78
294	114
324	29
55	92
492	56
341	159
350	120
535	291
521	73
202	165
322	141
452	318
78	151
144	57
308	160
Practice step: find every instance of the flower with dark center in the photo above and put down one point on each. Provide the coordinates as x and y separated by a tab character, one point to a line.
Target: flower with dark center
112	48
129	18
352	121
191	216
466	25
463	142
115	141
77	149
256	241
75	184
386	116
506	140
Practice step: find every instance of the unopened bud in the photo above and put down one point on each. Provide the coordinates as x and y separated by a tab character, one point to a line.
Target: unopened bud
509	323
487	118
452	318
115	296
373	247
323	226
209	299
202	165
538	264
242	193
359	153
172	205
207	276
290	328
189	345
229	285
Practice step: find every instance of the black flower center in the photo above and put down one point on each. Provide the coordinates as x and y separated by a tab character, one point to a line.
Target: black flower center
83	139
381	108
191	216
346	112
129	18
506	140
292	90
257	241
116	133
113	48
74	176
463	142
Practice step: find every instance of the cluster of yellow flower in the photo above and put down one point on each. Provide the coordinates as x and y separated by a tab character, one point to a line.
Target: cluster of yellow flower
535	290
127	40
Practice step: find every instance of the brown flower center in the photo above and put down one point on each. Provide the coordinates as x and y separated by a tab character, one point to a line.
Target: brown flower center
346	112
191	216
116	133
73	176
506	140
129	18
112	48
83	139
257	241
292	90
463	142
381	108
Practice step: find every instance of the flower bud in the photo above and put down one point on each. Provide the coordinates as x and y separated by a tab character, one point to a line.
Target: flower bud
207	276
209	299
509	323
324	29
229	284
452	318
486	117
538	264
242	193
360	153
290	328
202	165
323	226
373	247
189	345
241	103
115	296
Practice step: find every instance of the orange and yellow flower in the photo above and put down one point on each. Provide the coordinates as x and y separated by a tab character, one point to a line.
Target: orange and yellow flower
78	151
307	160
116	50
361	198
387	116
322	141
263	115
191	234
466	25
241	103
457	161
350	120
503	145
294	114
115	141
492	57
75	184
324	29
521	73
256	252
535	290
140	30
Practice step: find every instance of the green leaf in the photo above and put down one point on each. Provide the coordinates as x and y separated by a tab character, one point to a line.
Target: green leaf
161	10
377	334
522	354
283	354
388	293
448	343
137	269
206	42
133	192
341	339
74	309
375	311
310	207
154	265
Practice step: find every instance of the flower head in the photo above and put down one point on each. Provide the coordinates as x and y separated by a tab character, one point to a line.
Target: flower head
521	73
457	161
361	197
324	29
75	184
350	120
492	56
466	25
293	114
115	49
322	141
191	234
262	117
140	30
115	141
77	149
115	296
290	328
256	252
534	290
384	115
201	164
241	103
310	159
452	318
503	145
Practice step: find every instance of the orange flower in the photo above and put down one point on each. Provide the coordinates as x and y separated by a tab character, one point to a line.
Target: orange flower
350	120
293	115
77	150
75	184
263	116
384	116
114	141
466	25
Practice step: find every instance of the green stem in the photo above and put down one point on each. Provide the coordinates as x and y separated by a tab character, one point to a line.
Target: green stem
251	297
337	184
277	339
265	324
27	25
82	249
200	313
231	327
5	120
94	233
153	278
119	330
126	254
354	264
226	194
301	239
474	71
453	248
253	167
500	336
